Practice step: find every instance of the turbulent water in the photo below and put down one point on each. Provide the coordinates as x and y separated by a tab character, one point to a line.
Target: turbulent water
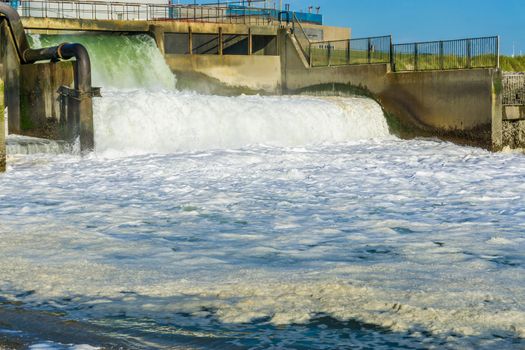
251	222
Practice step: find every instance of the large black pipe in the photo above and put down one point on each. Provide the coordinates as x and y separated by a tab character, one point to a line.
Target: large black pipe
66	51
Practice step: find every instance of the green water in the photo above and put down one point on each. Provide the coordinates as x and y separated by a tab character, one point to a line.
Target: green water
118	61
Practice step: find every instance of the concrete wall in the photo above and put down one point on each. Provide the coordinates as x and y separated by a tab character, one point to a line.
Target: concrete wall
253	72
39	98
464	105
330	32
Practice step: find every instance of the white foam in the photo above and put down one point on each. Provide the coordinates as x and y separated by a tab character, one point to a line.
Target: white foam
231	234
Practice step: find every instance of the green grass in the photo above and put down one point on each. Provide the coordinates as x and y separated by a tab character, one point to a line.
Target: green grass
406	62
512	64
339	57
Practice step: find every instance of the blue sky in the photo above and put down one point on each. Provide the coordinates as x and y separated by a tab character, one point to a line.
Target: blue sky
422	20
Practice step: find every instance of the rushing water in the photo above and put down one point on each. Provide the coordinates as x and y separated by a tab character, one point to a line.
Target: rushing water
251	222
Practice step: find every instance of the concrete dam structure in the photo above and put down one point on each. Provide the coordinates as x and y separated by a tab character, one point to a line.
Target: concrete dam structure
244	178
458	97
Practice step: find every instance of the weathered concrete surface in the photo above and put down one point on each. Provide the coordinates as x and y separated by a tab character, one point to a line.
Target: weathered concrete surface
2	130
253	72
462	104
514	127
514	134
39	98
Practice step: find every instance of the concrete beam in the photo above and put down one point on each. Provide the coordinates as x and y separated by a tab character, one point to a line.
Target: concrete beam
56	25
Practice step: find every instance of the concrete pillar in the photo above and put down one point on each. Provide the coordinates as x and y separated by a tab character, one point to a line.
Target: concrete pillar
11	78
190	41
250	41
497	110
2	129
221	42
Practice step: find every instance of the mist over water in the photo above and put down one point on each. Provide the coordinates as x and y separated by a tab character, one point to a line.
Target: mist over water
250	222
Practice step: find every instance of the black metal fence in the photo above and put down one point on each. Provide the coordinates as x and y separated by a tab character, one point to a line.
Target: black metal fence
449	54
514	89
348	52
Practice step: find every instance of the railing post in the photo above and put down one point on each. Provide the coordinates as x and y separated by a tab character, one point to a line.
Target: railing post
250	42
190	41
348	45
369	51
469	53
497	51
392	63
416	58
310	58
220	41
441	56
329	54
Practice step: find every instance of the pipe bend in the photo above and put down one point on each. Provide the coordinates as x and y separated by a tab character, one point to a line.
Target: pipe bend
83	64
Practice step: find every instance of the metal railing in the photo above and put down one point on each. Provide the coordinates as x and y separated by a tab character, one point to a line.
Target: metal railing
99	10
349	52
513	89
449	54
301	37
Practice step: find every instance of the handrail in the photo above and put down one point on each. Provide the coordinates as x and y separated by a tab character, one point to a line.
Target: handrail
308	43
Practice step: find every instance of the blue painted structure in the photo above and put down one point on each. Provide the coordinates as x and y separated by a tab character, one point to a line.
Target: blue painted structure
238	10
